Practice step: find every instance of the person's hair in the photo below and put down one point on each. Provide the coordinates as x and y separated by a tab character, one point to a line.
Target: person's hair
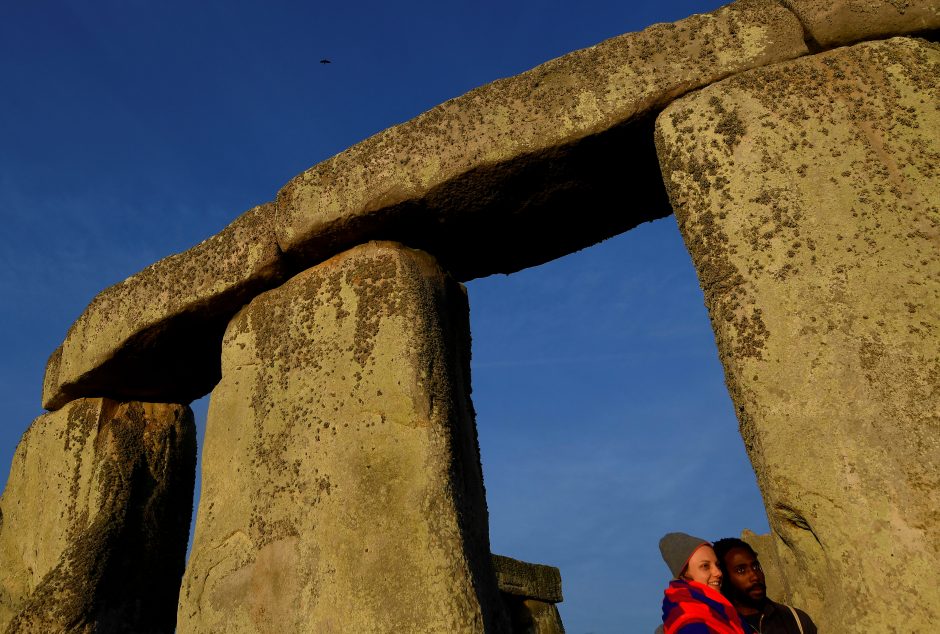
724	546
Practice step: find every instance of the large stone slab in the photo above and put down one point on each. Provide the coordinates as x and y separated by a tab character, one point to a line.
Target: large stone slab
95	518
831	23
156	335
342	489
809	196
529	168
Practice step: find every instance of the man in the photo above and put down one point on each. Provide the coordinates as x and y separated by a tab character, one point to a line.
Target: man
743	583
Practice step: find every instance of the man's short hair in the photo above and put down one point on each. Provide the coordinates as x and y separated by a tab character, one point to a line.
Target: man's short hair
724	546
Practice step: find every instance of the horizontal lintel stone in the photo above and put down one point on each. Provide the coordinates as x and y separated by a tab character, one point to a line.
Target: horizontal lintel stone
535	581
532	167
157	335
510	175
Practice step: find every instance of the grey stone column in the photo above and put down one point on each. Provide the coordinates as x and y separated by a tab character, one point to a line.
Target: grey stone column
342	488
808	194
95	518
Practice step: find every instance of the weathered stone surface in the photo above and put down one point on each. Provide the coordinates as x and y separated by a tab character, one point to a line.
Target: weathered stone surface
156	335
536	581
533	167
831	23
342	489
809	196
95	518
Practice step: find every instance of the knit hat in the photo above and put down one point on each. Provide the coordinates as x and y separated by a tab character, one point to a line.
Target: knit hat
677	549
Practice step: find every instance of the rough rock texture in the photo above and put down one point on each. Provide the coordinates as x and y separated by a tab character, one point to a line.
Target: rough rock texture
156	335
529	168
521	578
831	23
808	194
529	593
342	489
95	518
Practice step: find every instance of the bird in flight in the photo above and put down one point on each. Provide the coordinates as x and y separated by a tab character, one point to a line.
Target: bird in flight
325	61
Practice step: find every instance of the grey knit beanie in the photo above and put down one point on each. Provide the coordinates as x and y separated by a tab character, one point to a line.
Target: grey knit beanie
677	548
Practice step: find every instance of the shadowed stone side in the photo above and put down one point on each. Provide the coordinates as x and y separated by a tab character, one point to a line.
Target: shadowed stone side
156	335
531	616
342	489
529	168
808	194
95	519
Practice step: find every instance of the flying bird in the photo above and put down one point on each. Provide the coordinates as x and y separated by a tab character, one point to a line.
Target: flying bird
325	61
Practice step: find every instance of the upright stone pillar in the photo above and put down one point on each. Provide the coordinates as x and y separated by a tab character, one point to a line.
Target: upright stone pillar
95	518
342	489
808	194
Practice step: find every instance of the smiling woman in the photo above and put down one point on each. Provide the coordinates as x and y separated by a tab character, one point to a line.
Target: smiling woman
693	601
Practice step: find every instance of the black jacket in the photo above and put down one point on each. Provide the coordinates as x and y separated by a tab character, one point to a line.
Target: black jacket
777	619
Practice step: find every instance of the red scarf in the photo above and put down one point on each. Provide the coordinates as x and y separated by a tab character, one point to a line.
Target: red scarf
690	607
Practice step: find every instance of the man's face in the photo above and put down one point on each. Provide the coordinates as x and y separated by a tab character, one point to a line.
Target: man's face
744	579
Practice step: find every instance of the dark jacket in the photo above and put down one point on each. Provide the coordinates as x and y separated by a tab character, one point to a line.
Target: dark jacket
777	619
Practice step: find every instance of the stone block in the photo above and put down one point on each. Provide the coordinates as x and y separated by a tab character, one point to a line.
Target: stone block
532	167
342	489
95	518
156	335
831	23
535	581
808	194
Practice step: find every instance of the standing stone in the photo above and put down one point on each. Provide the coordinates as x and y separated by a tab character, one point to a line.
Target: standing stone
808	194
95	518
342	488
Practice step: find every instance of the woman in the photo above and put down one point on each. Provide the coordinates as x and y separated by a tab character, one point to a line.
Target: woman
693	603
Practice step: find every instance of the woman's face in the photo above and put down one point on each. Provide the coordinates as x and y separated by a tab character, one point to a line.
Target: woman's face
703	567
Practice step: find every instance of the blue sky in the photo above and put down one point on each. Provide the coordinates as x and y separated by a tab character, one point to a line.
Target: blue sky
130	130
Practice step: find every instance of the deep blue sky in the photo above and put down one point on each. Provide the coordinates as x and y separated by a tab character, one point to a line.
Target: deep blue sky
131	129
